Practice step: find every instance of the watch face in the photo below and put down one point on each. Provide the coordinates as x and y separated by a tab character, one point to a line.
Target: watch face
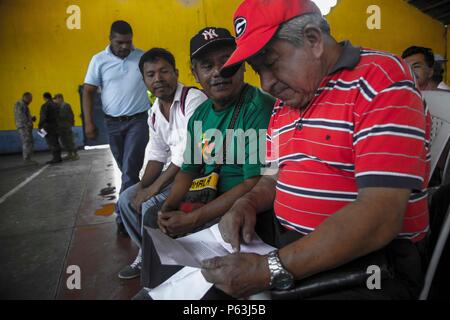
284	281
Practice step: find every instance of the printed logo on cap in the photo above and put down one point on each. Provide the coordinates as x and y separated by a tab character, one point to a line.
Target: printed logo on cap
240	24
210	34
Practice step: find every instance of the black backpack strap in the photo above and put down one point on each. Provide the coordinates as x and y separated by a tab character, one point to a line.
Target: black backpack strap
153	120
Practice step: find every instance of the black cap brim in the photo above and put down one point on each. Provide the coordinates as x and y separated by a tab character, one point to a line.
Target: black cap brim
230	71
210	44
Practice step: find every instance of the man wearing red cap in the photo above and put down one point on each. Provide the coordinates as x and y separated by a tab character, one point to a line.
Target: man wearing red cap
350	137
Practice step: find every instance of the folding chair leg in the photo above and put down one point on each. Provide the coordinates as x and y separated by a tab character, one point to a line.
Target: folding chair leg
437	253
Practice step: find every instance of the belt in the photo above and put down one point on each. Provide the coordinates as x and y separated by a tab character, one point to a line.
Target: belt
126	118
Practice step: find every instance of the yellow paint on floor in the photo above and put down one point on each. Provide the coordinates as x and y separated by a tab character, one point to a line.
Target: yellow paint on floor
106	210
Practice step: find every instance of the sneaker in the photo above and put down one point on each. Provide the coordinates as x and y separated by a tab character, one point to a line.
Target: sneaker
132	271
142	295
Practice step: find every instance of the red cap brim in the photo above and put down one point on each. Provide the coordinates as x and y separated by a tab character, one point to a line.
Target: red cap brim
244	51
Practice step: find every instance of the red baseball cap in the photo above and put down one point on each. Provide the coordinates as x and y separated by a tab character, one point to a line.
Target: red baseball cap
257	21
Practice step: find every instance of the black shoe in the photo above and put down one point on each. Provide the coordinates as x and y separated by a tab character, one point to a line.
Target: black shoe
142	295
133	270
54	161
121	230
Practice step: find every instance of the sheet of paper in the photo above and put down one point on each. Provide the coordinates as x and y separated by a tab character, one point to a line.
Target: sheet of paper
193	249
42	133
189	251
186	284
170	251
256	246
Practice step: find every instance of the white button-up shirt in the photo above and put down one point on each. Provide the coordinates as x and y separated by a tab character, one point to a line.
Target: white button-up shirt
168	138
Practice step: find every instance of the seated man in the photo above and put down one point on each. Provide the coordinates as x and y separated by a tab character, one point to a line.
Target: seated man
170	114
350	137
421	61
210	49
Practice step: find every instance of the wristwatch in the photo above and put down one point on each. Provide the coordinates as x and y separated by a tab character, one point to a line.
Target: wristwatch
280	278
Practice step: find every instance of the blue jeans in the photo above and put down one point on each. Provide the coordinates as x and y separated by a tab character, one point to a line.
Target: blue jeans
128	140
134	221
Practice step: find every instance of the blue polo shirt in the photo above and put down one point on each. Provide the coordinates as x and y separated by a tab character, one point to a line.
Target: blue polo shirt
123	91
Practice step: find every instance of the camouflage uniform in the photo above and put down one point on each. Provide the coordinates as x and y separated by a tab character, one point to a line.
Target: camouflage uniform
24	124
65	123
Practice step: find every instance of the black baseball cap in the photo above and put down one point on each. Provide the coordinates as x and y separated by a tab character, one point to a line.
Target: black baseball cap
209	36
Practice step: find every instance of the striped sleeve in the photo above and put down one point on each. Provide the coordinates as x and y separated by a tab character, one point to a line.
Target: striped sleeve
271	141
390	138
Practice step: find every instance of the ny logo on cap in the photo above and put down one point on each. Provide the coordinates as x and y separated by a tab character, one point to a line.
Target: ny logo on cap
210	34
240	24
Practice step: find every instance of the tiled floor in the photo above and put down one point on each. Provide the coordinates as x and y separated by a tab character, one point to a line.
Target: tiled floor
51	223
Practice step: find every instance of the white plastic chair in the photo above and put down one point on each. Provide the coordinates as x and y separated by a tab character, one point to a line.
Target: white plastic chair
439	105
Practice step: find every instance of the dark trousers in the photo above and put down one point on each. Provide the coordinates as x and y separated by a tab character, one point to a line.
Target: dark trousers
67	139
402	256
52	139
153	273
128	140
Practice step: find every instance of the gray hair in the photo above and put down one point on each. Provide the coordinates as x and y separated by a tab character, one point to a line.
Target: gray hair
293	30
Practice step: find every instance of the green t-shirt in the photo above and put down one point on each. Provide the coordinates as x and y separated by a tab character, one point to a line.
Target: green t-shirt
246	152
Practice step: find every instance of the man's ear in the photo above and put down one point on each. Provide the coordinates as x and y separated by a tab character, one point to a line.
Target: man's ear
177	73
314	39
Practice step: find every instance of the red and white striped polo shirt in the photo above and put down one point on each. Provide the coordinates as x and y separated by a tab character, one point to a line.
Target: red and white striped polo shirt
366	127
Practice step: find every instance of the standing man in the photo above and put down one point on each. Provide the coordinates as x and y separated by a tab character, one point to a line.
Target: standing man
49	122
24	125
66	121
125	104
